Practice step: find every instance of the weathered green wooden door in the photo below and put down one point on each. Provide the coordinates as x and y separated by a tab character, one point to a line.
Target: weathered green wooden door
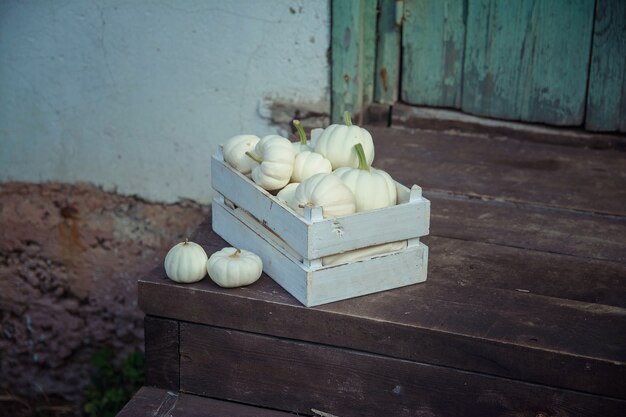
529	60
558	62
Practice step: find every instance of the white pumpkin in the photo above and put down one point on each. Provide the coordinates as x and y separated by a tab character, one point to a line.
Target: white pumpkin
373	188
232	267
307	164
337	142
303	144
274	155
315	135
288	194
234	150
186	262
326	191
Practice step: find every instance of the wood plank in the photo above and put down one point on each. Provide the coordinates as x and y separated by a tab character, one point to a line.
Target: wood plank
580	234
494	266
235	365
161	349
606	100
387	76
428	118
155	402
352	55
548	340
433	36
527	60
500	168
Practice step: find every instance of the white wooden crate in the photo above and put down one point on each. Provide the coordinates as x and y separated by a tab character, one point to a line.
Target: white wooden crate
292	246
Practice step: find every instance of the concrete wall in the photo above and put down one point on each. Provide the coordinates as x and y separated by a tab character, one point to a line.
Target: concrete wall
134	96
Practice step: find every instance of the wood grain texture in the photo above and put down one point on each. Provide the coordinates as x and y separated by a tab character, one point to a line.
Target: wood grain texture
527	60
155	402
458	318
505	169
161	350
387	75
433	36
585	235
230	364
606	100
553	275
353	45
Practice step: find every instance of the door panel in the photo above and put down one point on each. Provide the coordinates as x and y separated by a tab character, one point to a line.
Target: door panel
527	60
432	52
606	101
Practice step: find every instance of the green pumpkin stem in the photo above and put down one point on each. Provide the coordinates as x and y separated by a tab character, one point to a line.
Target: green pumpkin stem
254	158
301	132
236	254
347	118
360	153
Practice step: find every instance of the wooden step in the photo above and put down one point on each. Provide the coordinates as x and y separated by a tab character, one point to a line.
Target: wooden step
156	402
522	314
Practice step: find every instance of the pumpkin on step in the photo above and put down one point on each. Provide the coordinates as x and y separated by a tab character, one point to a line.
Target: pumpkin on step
186	262
231	267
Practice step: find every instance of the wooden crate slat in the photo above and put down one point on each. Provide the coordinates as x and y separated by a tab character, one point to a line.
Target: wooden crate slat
280	219
234	365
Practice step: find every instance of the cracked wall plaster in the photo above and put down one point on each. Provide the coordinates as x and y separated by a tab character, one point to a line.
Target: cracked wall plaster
136	96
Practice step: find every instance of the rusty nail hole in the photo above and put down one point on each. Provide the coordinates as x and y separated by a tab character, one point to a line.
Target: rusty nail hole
346	77
383	77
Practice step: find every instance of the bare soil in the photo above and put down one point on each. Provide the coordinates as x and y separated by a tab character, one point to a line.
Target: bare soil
70	257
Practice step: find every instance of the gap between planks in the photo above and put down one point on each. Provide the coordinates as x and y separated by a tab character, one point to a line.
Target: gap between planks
459	196
526	248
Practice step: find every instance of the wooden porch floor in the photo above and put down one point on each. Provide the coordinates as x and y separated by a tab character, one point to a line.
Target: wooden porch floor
523	312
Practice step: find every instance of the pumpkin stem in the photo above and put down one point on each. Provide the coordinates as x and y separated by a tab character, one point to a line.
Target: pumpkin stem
347	118
254	158
236	254
300	130
186	242
360	153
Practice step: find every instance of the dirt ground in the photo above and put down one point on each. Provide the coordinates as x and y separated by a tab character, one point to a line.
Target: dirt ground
70	257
